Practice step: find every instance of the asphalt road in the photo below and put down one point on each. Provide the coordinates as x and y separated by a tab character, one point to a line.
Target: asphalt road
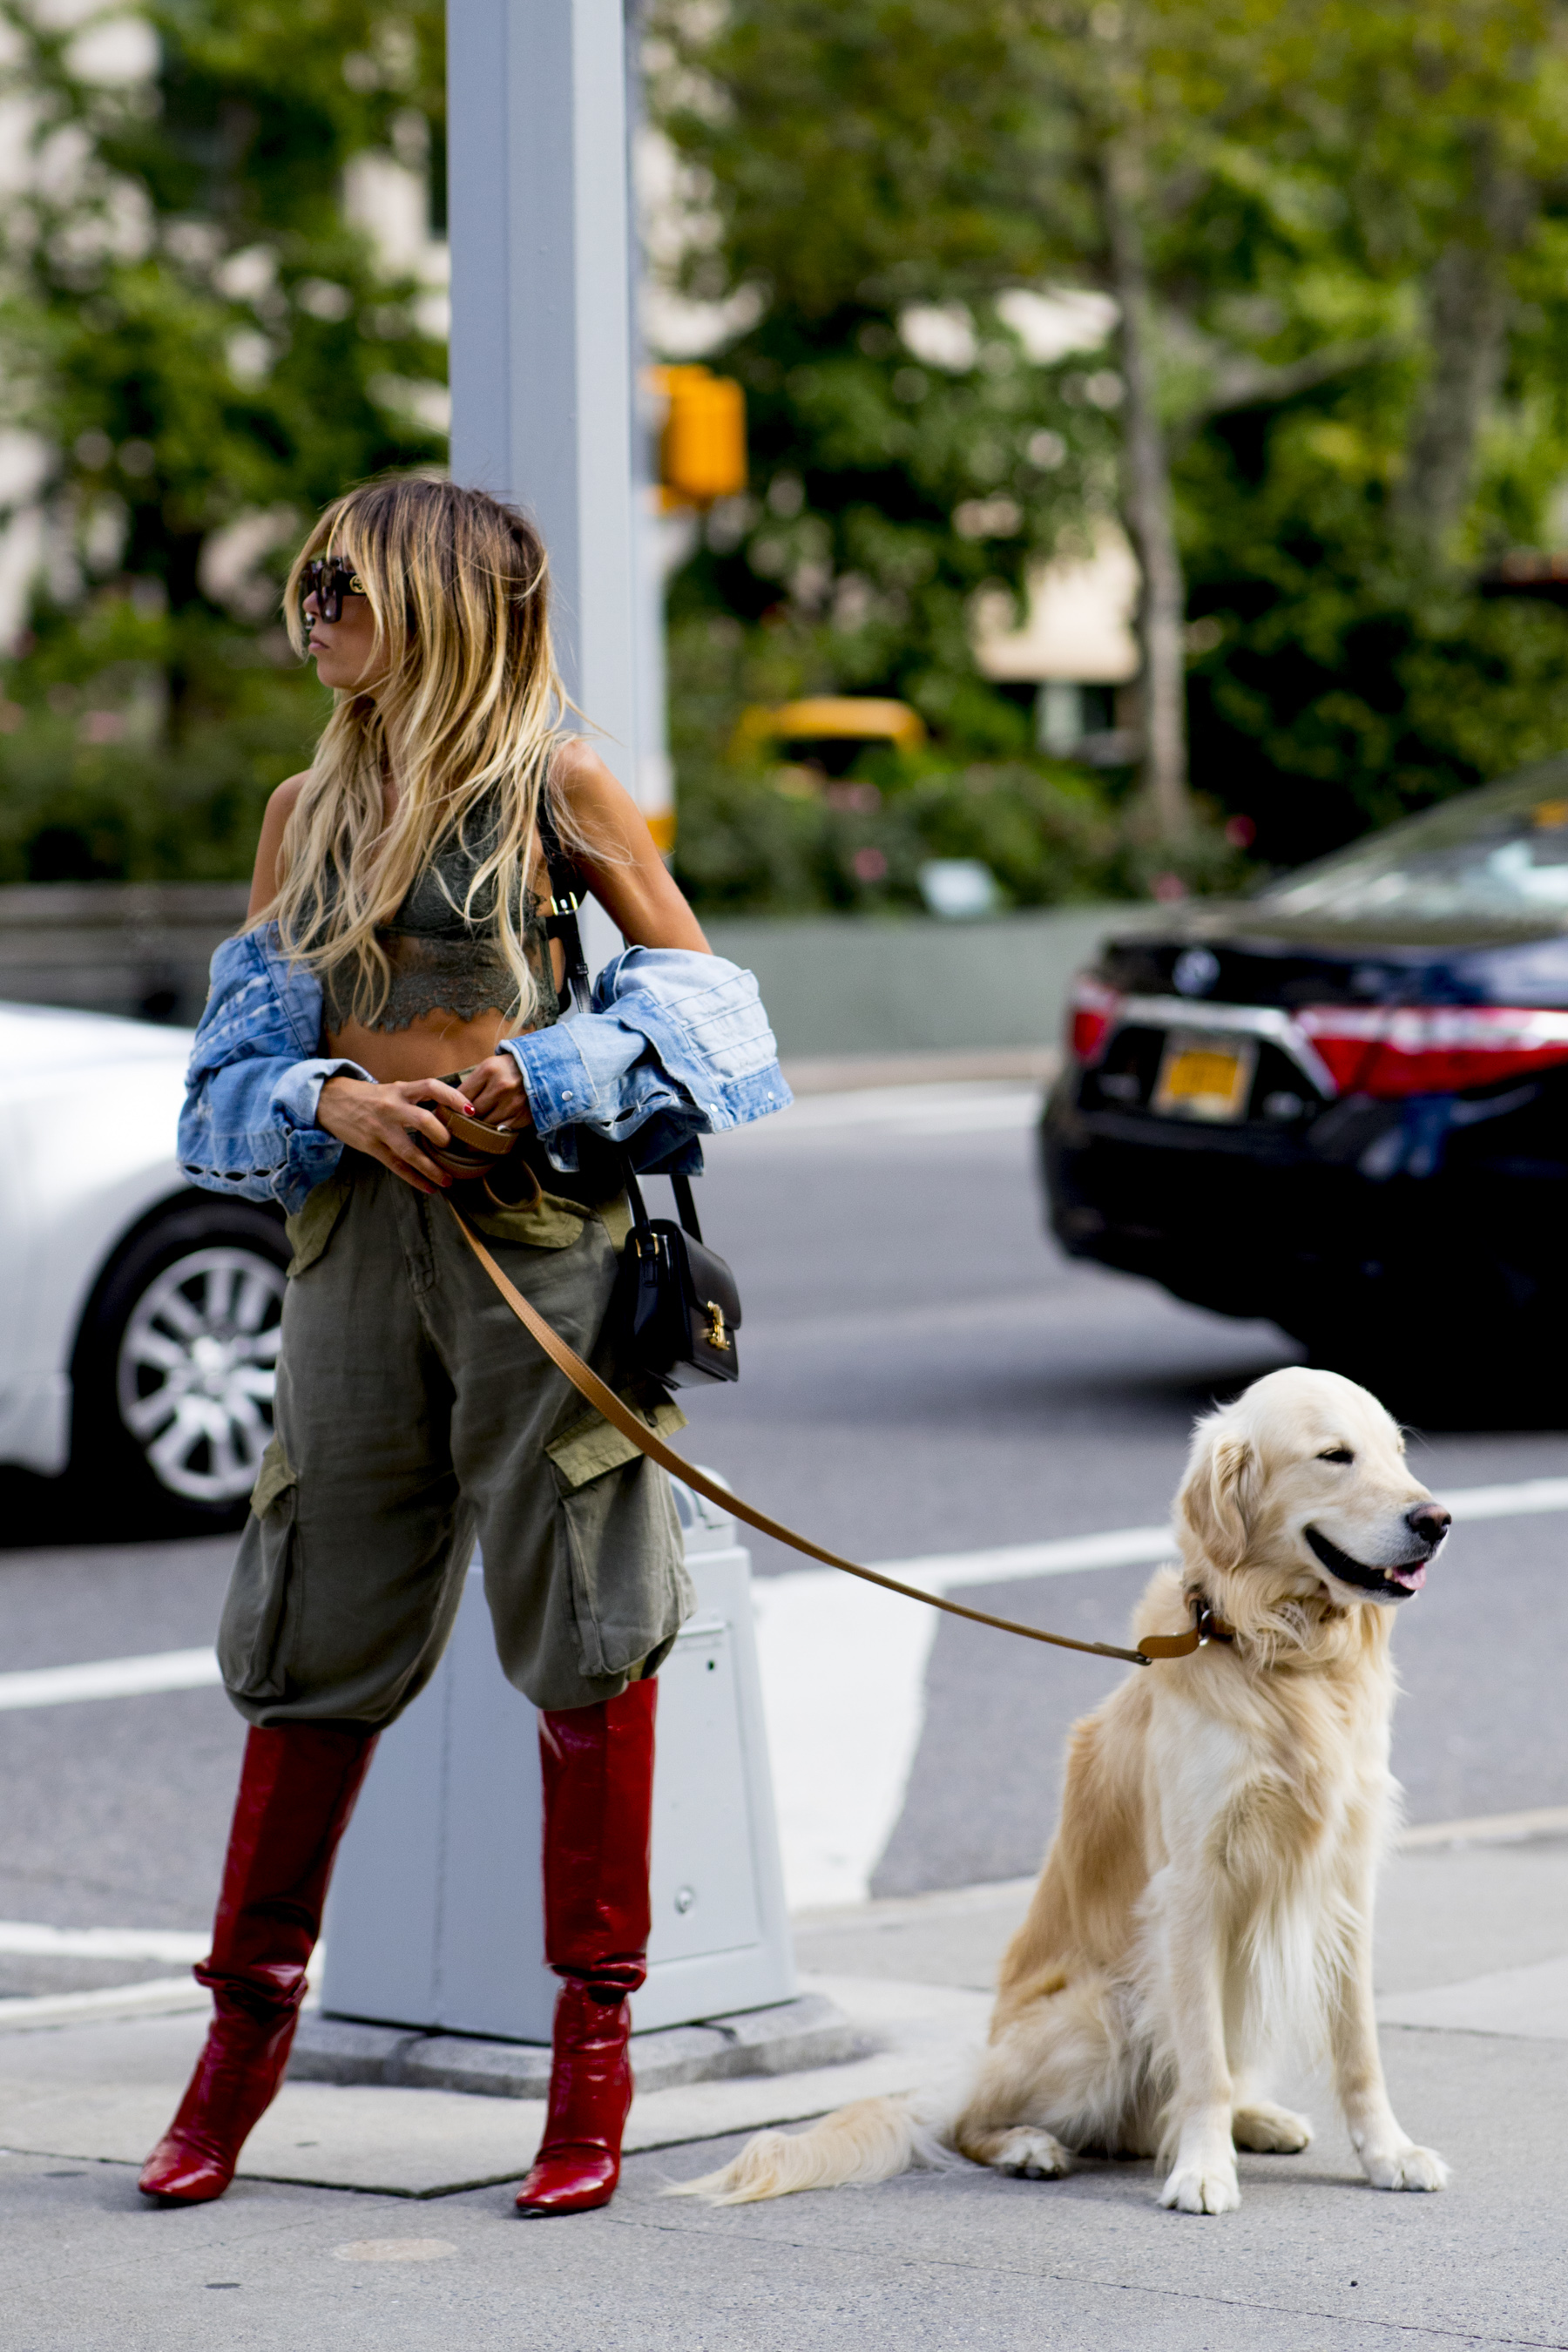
922	1373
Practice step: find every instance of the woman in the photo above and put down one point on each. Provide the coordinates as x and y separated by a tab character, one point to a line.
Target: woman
398	963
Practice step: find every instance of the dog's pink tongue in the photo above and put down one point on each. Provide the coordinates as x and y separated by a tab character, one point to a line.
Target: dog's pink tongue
1412	1577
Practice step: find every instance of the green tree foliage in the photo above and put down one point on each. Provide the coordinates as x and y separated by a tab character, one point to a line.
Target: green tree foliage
888	492
1340	235
881	175
1415	177
886	489
206	351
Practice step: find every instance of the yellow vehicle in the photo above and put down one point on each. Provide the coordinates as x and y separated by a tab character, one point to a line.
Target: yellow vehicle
824	731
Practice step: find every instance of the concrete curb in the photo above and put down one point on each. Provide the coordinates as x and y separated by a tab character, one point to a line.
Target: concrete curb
789	2037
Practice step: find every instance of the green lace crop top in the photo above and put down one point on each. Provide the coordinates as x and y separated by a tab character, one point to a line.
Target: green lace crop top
441	963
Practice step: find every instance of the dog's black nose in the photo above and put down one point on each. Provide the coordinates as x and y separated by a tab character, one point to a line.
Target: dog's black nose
1429	1523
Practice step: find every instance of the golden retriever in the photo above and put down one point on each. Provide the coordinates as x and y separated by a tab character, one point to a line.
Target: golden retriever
1207	1902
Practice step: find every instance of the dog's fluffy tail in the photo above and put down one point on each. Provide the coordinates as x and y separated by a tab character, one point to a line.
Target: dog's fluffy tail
873	2140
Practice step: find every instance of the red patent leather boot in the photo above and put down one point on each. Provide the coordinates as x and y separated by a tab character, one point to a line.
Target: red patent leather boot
297	1790
599	1817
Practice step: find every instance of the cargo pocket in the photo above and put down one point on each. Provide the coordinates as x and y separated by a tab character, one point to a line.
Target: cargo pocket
591	1445
249	1641
310	1229
548	1223
630	1592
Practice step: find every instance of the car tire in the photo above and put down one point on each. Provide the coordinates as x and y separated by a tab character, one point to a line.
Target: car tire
174	1370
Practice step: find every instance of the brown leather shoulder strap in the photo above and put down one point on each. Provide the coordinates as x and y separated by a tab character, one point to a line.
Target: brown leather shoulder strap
605	1400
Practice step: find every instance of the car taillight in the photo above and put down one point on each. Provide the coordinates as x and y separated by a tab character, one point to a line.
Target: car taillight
1406	1049
1092	1009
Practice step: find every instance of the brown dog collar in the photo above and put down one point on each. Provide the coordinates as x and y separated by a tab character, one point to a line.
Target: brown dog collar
1207	1626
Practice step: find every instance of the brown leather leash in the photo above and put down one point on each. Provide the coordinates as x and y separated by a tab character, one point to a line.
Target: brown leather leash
620	1416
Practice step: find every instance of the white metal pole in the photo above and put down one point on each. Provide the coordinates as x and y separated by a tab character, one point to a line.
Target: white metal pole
655	779
541	340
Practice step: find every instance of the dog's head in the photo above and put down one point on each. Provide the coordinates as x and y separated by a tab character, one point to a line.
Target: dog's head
1304	1477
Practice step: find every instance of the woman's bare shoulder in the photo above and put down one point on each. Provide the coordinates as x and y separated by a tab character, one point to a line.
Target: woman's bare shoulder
268	878
575	766
590	794
283	796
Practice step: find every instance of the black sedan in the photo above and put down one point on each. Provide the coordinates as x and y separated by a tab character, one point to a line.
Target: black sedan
1343	1104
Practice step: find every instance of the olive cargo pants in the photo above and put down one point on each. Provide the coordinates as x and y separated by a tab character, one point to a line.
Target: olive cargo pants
413	1411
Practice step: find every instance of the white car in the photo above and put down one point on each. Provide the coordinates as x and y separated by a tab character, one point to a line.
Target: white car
140	1316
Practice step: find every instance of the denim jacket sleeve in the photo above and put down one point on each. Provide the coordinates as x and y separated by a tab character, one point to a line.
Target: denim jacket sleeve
677	1044
248	1126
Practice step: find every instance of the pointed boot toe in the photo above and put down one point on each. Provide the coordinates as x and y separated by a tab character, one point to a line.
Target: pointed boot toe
569	2181
186	2171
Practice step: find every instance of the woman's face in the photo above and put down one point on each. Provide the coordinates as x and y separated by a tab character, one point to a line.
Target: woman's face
344	649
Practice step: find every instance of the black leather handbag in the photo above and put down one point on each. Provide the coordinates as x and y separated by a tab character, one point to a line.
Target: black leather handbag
676	1299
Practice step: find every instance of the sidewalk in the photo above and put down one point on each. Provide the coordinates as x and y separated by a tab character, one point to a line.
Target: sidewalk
355	2224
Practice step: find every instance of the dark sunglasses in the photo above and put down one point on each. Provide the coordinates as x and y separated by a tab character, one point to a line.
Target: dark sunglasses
329	582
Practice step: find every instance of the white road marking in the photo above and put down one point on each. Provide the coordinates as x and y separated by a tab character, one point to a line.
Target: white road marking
947	1572
969	1106
843	1677
163	1670
29	1940
175	1670
844	1691
1512	1502
844	1666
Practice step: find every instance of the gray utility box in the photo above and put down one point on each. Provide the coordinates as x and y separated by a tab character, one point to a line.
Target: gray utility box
435	1914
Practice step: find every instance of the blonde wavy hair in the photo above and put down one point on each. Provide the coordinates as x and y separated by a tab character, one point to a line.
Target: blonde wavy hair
465	716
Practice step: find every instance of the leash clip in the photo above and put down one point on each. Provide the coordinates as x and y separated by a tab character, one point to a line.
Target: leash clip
1209	1627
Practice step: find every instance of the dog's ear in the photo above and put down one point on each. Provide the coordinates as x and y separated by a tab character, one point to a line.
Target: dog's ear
1216	1497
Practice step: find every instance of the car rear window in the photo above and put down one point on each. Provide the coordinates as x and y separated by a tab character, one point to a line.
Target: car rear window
1499	853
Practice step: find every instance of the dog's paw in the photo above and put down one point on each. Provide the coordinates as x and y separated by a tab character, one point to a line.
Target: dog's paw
1030	2155
1269	2130
1202	2187
1404	2165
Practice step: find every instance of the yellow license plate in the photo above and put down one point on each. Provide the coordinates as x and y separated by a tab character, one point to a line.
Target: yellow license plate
1205	1078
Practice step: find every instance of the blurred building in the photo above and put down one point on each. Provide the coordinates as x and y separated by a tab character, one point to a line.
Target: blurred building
1074	660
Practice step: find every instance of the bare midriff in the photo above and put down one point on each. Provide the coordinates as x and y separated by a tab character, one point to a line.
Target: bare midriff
434	1047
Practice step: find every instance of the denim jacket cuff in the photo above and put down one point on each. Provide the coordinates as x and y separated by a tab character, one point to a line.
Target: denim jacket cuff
297	1096
554	1077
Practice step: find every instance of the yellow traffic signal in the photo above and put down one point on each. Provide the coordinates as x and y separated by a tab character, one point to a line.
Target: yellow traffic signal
702	448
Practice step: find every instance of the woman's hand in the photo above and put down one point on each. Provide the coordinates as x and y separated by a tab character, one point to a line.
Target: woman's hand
496	1092
387	1123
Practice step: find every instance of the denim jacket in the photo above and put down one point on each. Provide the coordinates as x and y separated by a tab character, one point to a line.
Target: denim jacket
676	1046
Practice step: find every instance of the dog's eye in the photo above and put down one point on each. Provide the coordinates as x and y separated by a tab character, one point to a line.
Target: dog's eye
1337	1454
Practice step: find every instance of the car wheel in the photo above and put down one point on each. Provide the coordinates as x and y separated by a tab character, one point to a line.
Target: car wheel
175	1368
